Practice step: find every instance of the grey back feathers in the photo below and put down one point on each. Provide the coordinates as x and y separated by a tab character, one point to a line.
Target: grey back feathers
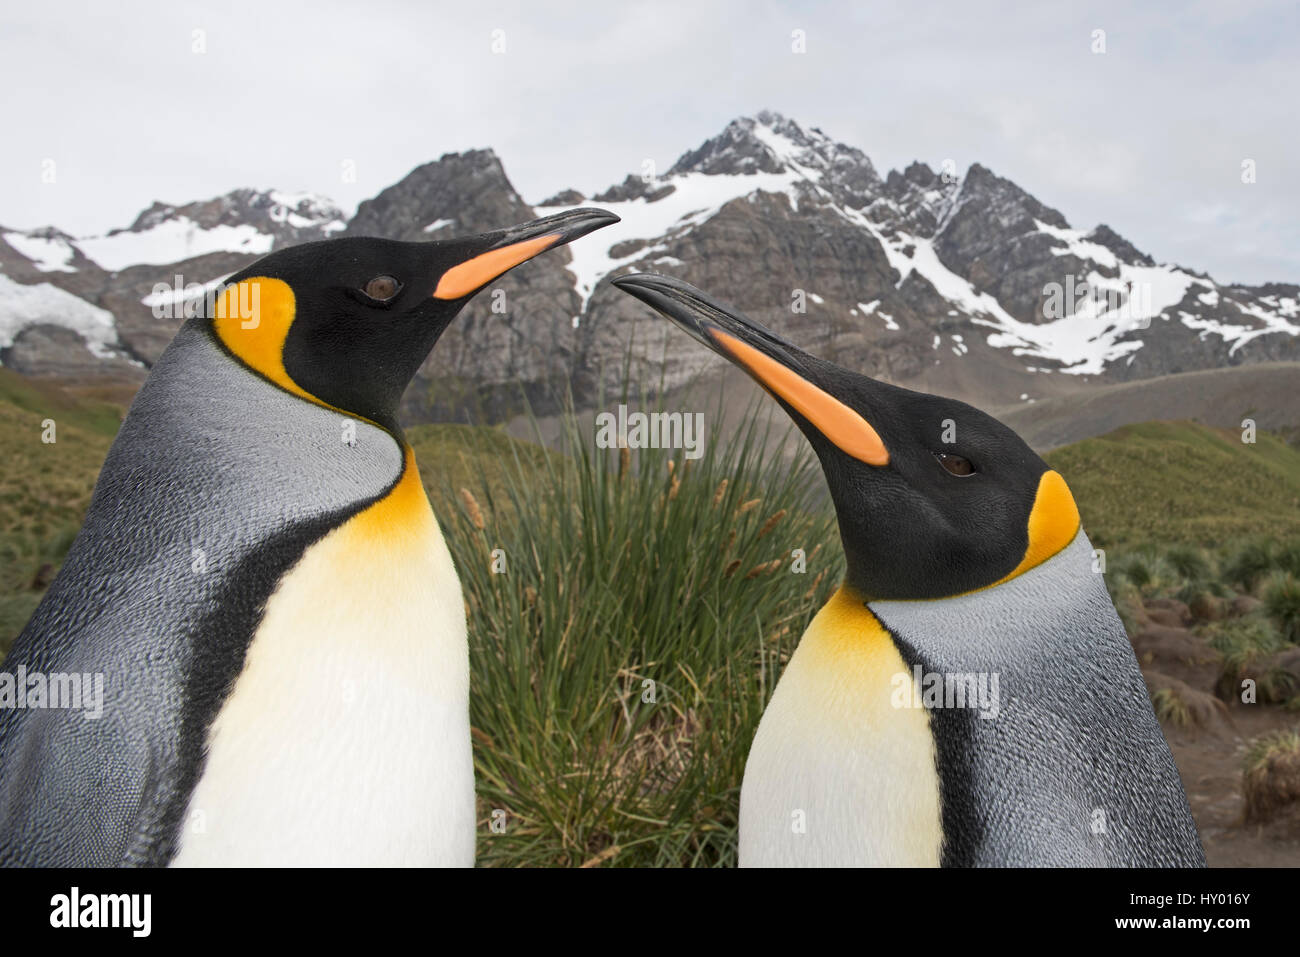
1073	770
216	484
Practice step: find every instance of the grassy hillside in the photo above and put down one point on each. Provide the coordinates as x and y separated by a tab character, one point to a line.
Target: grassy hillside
1181	482
44	487
44	401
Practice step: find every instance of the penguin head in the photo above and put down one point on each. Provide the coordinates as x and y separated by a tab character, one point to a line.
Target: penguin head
934	497
346	322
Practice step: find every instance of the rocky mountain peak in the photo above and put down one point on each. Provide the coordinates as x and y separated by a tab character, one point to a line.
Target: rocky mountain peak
633	187
48	233
457	193
283	215
1103	235
771	143
914	200
1004	201
917	174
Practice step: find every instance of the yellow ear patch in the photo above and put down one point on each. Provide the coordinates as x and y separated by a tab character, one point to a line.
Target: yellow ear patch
850	432
1053	523
252	320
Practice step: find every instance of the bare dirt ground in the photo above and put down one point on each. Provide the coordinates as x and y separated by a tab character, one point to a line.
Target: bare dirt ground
1209	751
1209	760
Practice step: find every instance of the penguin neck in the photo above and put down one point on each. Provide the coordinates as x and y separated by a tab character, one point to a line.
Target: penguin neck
838	774
384	416
402	516
851	654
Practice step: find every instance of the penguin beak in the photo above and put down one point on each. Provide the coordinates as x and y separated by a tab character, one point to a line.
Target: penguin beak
782	368
505	249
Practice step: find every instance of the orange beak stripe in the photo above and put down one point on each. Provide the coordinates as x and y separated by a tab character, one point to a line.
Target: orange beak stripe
850	432
473	273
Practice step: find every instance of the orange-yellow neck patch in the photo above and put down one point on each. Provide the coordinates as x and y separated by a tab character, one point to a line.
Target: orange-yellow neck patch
1053	523
846	623
402	518
252	320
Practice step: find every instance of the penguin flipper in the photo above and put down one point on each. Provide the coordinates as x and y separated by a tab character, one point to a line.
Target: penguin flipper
77	793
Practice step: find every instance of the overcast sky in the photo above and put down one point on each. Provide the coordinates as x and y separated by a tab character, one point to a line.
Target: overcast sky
1148	136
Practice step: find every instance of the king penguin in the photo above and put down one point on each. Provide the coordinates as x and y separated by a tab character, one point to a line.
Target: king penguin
264	588
968	696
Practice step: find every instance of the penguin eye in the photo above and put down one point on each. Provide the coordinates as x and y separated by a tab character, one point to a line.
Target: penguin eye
382	288
955	464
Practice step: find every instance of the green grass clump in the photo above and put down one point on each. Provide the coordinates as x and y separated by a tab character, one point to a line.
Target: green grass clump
1270	780
1145	569
1269	746
630	613
1170	708
1252	635
1249	563
1286	557
1282	604
1188	563
1245	644
1179	705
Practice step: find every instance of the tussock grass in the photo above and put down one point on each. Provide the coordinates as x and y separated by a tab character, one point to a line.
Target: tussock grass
1170	708
1286	557
1188	563
1282	603
1178	704
1271	776
1249	563
630	613
1247	644
1145	569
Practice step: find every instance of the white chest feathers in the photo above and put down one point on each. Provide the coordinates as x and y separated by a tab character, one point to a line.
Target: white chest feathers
345	740
837	775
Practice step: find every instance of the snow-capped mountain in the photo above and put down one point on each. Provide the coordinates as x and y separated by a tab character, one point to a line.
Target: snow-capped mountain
245	221
919	269
83	306
963	284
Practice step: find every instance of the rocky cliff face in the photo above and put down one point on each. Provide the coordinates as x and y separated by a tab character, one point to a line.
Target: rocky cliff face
962	284
516	338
